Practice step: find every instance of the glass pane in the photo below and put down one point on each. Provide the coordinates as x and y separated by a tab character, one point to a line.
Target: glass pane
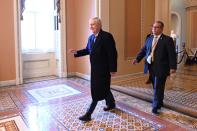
38	26
28	32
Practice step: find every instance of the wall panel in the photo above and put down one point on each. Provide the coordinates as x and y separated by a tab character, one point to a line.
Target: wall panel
132	27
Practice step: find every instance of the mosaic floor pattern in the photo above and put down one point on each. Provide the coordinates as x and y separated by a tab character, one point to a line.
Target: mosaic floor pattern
179	95
182	120
177	118
6	101
118	119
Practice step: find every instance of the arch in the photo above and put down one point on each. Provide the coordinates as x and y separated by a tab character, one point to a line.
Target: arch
176	27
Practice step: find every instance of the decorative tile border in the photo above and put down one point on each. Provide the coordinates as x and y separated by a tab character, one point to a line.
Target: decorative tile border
14	123
8	126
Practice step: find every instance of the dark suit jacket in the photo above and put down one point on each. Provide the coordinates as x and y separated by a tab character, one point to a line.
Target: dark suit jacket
164	56
103	59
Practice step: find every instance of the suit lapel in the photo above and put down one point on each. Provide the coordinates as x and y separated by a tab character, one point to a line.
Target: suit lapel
150	40
159	41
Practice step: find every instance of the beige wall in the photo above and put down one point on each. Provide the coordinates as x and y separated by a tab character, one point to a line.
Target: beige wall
148	11
192	27
117	27
191	8
194	30
190	3
7	51
162	13
78	15
85	12
132	28
70	33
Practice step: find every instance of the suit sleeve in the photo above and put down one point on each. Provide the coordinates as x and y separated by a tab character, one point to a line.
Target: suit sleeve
83	52
111	53
141	54
172	54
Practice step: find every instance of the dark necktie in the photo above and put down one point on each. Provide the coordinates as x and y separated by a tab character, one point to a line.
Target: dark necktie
93	41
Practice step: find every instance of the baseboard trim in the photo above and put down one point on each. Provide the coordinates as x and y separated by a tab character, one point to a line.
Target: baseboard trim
125	76
87	77
72	74
64	74
7	83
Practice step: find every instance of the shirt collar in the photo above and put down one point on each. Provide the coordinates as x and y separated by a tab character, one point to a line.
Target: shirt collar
158	36
96	34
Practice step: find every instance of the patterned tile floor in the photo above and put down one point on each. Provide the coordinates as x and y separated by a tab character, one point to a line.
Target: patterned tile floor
6	101
180	93
188	122
118	119
60	113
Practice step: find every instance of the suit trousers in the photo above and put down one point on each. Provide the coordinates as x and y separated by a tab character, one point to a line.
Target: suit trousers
158	91
110	101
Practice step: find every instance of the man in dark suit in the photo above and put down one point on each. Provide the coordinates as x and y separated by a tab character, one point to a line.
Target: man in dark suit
103	59
160	56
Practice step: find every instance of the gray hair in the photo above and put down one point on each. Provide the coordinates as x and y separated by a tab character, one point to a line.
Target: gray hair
97	20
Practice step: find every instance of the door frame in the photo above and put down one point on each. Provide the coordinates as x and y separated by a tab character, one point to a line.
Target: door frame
18	49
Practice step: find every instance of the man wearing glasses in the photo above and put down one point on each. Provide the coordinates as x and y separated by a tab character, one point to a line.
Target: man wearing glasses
160	60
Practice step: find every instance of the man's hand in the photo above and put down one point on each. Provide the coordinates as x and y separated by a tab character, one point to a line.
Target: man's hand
72	51
172	71
172	74
134	61
113	73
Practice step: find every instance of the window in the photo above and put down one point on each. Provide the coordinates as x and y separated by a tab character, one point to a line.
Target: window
37	26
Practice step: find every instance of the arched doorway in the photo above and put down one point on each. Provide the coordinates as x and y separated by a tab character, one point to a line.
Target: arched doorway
176	29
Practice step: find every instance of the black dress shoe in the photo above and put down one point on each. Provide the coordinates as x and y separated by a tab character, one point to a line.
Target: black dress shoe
154	111
108	108
85	117
159	107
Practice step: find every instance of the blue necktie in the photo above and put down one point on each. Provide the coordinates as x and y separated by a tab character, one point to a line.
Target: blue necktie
93	41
